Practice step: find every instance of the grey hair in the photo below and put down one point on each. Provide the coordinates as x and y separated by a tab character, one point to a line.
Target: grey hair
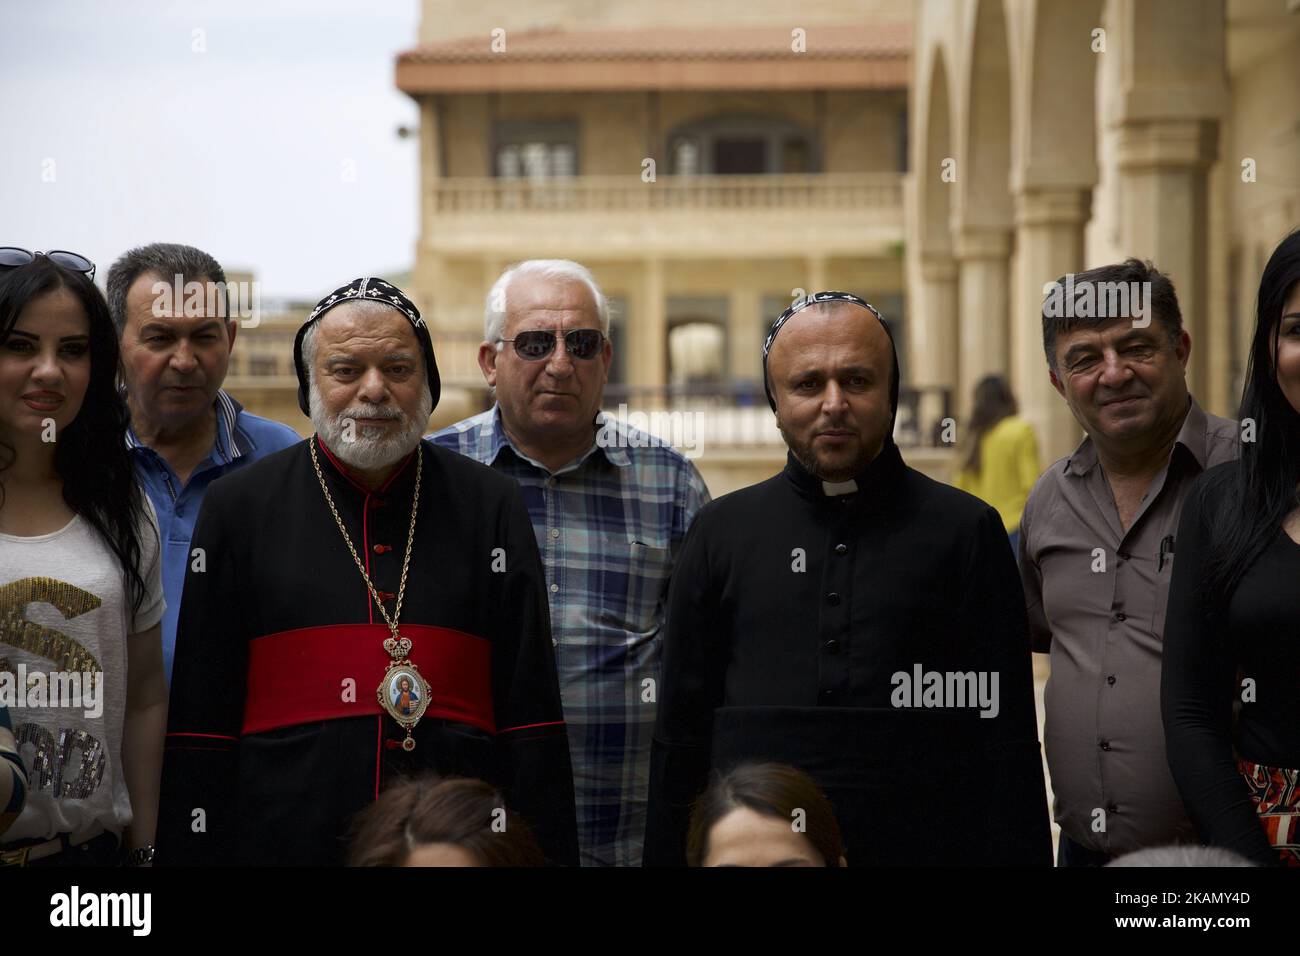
309	350
367	308
1184	854
496	306
166	260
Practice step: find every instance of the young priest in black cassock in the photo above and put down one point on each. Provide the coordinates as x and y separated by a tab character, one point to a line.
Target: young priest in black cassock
843	617
289	712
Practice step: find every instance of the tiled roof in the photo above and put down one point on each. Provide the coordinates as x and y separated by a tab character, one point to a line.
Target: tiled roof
822	42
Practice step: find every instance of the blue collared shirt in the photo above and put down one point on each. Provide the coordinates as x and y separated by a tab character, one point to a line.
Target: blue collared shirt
241	439
609	526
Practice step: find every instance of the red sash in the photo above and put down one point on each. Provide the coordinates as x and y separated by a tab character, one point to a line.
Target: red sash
297	677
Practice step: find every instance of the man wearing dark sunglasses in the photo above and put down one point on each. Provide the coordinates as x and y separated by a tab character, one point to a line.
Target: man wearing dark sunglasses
549	396
609	507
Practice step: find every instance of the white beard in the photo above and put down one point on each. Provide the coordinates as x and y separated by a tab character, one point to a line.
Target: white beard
371	446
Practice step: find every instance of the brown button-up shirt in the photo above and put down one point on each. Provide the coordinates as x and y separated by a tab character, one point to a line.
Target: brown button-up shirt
1096	598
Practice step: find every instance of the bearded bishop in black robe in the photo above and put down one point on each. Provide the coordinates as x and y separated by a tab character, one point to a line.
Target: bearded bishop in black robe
289	713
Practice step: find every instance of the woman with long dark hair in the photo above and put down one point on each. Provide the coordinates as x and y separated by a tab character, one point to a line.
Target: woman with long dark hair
999	457
80	583
1230	639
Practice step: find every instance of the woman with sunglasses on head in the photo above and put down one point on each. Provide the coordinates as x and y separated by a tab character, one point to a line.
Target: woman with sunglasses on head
1230	637
80	583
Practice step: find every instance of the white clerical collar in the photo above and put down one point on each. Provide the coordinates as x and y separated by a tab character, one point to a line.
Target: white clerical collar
839	487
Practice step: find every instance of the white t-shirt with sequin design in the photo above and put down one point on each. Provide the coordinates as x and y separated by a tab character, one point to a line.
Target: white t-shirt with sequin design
65	610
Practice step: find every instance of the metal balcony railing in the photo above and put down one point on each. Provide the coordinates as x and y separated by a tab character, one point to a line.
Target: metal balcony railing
736	415
597	194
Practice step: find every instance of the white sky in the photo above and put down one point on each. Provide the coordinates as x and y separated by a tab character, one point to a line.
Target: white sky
239	150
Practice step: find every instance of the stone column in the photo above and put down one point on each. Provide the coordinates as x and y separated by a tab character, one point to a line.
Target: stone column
1049	243
984	309
815	272
430	154
493	266
934	338
427	263
648	367
1173	94
1165	194
745	334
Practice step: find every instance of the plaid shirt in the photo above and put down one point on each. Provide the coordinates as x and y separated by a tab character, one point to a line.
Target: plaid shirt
609	526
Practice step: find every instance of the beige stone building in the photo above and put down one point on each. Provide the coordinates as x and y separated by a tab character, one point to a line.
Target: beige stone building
708	162
943	158
261	373
1078	132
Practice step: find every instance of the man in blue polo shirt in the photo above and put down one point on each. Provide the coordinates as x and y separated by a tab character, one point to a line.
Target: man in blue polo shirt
186	431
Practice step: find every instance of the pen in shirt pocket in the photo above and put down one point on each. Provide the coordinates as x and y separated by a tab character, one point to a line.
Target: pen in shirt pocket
1166	551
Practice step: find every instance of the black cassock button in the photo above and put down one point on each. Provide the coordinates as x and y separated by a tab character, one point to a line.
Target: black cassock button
841	549
833	599
832	647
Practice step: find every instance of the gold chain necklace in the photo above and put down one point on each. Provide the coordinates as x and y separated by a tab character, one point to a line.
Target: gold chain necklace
403	692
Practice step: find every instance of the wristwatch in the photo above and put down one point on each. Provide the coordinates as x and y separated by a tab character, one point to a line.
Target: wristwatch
140	856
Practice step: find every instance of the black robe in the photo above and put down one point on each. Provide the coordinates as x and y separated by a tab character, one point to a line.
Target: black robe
261	735
763	661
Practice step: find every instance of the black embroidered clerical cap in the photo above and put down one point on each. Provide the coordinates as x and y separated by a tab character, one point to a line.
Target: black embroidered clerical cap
803	303
368	290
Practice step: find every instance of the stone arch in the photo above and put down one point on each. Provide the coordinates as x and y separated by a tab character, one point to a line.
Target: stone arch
1056	124
1054	171
984	124
934	195
984	212
932	346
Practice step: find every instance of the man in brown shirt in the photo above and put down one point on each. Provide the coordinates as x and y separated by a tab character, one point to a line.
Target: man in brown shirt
1096	555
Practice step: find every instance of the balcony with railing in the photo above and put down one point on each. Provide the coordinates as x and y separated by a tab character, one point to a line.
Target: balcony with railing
731	434
832	213
736	415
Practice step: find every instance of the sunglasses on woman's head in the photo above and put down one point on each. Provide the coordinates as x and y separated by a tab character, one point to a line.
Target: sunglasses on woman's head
11	257
536	345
